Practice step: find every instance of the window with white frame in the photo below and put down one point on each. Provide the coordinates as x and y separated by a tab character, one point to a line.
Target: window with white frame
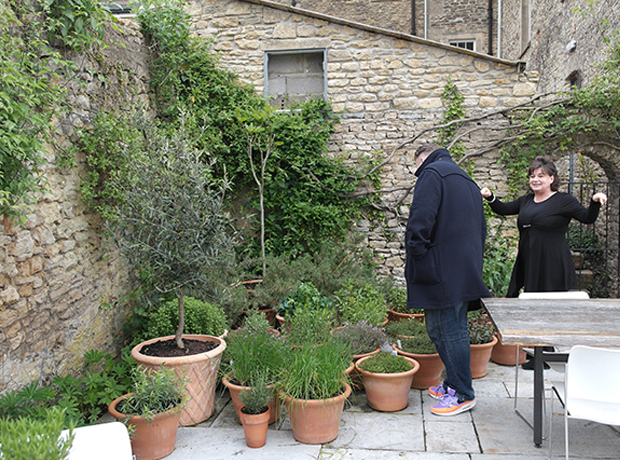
295	76
465	44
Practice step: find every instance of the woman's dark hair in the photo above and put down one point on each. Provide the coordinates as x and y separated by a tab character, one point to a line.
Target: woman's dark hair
548	167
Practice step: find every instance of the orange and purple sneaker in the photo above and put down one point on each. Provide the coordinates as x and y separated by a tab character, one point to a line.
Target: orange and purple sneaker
437	392
451	405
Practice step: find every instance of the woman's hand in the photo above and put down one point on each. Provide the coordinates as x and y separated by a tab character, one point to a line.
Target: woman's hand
600	197
485	192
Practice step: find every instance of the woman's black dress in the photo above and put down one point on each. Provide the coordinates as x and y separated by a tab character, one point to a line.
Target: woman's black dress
544	262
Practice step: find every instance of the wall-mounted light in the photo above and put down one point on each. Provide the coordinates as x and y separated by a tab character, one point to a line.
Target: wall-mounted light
570	46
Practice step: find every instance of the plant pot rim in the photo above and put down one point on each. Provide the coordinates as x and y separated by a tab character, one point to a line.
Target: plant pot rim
411	355
413	370
179	360
172	412
345	394
488	344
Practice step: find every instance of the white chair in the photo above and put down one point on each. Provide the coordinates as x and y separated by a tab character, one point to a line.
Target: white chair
580	392
556	366
105	441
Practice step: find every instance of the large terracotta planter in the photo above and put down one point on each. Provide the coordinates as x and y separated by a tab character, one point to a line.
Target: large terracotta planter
255	428
316	421
396	316
431	367
388	392
480	356
152	439
507	354
234	390
201	371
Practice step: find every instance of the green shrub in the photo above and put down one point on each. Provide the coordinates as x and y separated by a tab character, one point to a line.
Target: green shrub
408	327
419	345
360	301
385	362
362	337
200	318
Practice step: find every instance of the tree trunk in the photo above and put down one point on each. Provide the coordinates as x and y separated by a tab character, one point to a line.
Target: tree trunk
179	333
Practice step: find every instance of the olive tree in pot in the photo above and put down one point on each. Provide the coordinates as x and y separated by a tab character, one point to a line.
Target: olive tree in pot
171	223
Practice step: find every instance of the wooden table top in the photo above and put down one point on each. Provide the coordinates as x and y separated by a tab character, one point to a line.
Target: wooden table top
556	322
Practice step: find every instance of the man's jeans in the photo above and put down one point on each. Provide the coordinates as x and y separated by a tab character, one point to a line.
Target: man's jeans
447	328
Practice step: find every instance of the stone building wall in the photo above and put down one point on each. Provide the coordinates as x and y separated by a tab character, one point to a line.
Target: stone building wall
57	271
387	86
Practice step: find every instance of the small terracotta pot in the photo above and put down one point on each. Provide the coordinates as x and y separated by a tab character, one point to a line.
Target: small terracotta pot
479	358
316	421
388	392
255	428
234	390
152	439
431	367
506	355
396	316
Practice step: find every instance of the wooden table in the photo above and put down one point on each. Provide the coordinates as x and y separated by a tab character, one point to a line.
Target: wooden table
560	323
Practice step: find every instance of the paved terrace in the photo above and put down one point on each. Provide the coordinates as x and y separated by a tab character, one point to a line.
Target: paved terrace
491	431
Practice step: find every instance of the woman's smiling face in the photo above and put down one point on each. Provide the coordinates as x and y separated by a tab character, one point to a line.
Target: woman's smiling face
540	181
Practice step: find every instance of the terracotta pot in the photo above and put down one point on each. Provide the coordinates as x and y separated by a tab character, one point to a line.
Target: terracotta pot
356	378
507	354
255	428
280	319
316	421
234	390
201	371
152	439
480	356
396	316
431	367
388	392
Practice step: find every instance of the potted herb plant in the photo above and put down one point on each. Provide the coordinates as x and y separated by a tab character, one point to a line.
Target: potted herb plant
357	301
254	352
306	295
314	389
152	411
364	339
482	339
415	343
387	380
255	412
397	304
170	221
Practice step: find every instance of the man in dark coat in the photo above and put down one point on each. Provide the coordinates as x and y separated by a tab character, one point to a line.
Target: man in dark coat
445	244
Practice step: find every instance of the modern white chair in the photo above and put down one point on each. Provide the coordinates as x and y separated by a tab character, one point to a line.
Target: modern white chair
580	392
105	441
556	366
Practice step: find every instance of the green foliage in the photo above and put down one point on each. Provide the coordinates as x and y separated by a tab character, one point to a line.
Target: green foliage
254	351
309	325
385	362
29	98
421	344
453	101
24	438
363	337
153	393
77	24
30	401
316	372
257	396
408	327
306	297
200	318
479	327
360	301
499	258
396	299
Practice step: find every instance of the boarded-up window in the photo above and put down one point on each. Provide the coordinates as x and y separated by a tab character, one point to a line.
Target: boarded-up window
294	76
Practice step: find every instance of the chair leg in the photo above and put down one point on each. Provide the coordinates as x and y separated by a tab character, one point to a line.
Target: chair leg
566	429
551	427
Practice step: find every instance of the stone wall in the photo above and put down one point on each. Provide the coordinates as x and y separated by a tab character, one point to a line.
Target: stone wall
387	86
57	271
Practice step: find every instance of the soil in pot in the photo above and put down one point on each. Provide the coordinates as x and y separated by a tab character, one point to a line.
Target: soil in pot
168	348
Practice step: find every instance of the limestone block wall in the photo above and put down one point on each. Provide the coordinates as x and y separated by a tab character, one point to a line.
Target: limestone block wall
387	87
57	273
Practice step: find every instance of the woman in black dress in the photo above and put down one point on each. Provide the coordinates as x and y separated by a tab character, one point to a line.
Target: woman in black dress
544	262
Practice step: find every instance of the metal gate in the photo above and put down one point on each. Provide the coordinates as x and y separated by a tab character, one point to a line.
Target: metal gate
595	247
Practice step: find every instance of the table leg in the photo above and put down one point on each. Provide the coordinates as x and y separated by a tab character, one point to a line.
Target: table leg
539	394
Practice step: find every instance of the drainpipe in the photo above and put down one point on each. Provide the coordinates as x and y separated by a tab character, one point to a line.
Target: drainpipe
425	20
499	28
412	17
490	8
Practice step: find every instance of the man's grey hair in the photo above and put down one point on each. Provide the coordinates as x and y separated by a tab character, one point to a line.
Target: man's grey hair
426	149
